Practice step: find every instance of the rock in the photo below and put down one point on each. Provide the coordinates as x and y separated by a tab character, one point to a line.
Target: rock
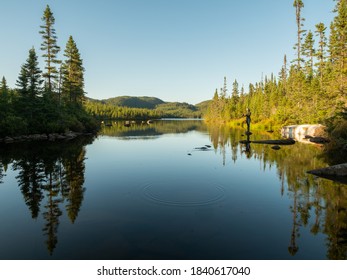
52	136
334	170
201	148
319	140
60	137
36	137
276	147
18	138
70	135
8	140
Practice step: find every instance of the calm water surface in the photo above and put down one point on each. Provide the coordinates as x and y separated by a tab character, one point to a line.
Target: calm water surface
169	190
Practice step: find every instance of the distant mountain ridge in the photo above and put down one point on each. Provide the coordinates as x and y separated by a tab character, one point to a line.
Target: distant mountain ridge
144	102
164	109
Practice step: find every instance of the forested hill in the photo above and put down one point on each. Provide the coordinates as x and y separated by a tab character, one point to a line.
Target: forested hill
134	101
131	107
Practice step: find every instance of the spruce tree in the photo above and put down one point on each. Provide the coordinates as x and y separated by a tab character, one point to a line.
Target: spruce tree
22	82
298	4
3	87
224	90
321	52
29	86
51	49
284	75
309	52
4	108
338	46
73	74
29	81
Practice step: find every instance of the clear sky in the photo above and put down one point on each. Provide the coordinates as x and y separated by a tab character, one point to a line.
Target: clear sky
176	50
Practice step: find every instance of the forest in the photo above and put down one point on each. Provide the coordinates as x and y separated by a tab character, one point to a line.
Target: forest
310	89
140	108
50	100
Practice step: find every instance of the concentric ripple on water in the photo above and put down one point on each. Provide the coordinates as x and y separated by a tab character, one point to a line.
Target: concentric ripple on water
183	194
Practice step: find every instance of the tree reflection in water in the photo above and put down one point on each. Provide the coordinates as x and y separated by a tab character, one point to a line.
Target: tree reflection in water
50	176
317	203
51	179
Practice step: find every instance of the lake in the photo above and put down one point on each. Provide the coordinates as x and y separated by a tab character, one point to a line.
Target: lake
173	189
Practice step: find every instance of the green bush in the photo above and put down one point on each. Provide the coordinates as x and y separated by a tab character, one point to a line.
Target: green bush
13	126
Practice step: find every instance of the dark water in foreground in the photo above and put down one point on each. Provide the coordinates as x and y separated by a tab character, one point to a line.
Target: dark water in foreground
146	192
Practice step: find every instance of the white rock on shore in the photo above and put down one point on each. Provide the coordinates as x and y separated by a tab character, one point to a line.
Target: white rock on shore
307	133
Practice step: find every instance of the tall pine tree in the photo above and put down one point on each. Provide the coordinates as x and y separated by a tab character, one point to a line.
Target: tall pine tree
321	51
51	49
298	4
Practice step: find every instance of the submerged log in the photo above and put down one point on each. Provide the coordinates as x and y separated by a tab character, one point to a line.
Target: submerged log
272	142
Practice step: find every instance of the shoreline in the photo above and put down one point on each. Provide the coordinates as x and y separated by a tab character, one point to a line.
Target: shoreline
44	137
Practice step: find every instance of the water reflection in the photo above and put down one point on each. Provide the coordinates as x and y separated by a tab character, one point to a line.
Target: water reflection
2	169
154	201
50	177
154	129
319	204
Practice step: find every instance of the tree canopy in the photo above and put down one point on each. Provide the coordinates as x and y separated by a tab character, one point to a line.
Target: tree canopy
41	103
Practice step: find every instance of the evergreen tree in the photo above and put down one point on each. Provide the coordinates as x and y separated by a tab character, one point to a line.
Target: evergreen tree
4	99
29	86
321	52
284	75
51	49
3	87
298	4
309	52
73	71
235	92
215	96
22	82
34	74
224	90
29	81
338	45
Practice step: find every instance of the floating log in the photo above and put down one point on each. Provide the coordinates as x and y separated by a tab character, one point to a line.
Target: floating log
272	142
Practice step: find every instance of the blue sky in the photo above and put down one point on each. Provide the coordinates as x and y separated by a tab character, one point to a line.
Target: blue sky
177	50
